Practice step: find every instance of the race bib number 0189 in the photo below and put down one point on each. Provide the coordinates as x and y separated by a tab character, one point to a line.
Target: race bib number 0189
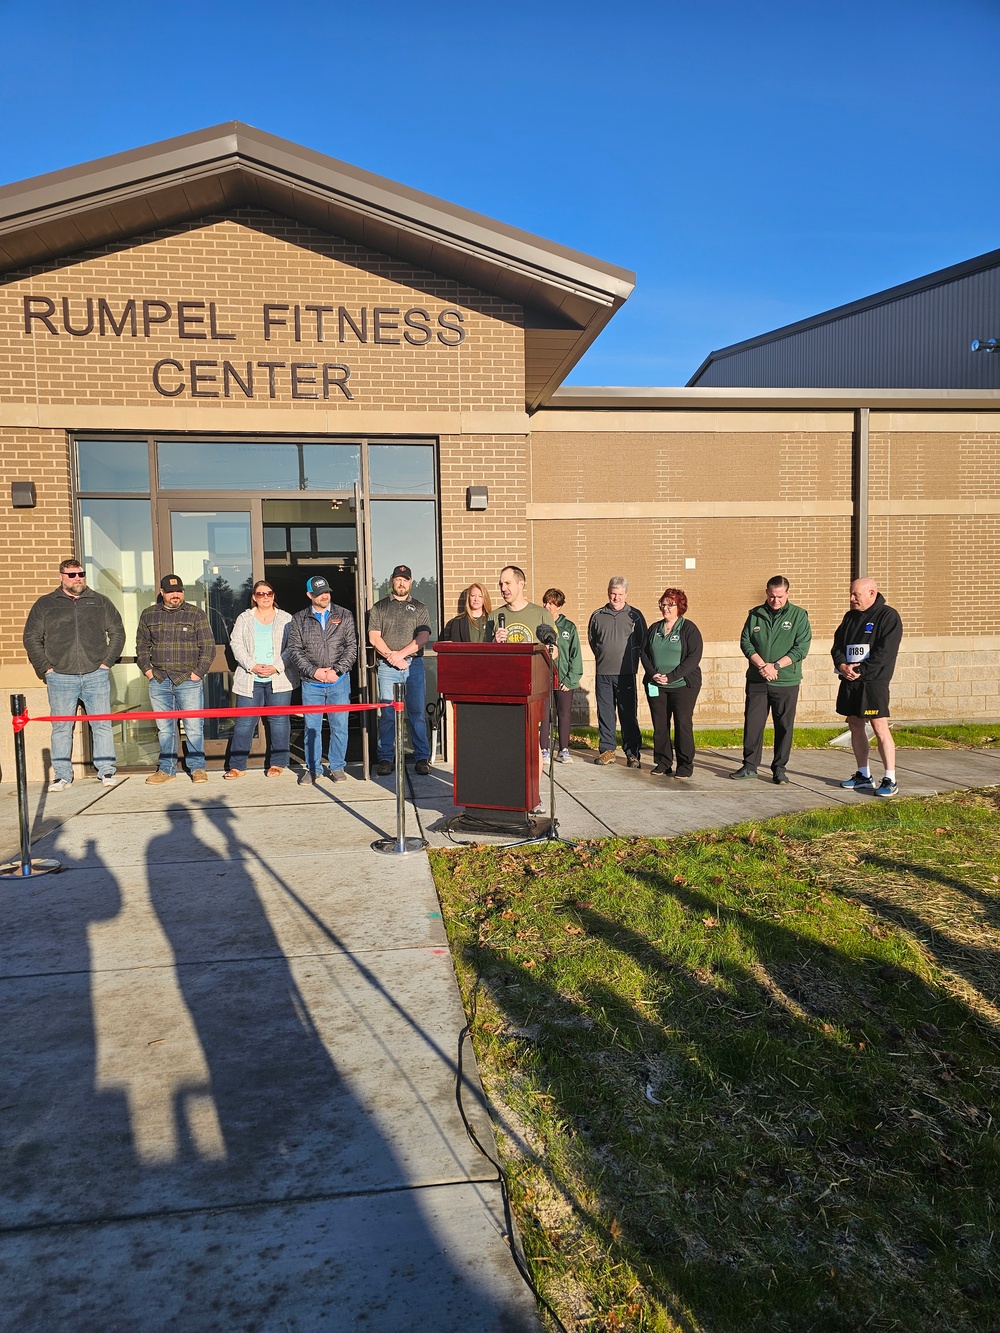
857	652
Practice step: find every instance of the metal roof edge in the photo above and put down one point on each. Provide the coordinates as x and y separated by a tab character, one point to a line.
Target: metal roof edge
235	145
939	278
695	398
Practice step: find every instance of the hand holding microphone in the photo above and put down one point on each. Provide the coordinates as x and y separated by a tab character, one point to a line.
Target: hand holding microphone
501	633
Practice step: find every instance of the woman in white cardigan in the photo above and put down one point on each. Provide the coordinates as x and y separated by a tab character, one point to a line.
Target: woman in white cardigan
263	679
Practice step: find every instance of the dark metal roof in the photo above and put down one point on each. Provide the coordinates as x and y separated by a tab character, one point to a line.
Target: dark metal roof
568	296
913	336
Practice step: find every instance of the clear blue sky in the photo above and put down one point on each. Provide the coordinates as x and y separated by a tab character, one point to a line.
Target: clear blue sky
753	163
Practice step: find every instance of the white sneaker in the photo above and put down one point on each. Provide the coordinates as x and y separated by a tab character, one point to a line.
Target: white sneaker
564	757
109	780
545	756
59	784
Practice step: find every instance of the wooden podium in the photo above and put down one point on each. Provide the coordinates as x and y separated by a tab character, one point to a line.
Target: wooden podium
499	692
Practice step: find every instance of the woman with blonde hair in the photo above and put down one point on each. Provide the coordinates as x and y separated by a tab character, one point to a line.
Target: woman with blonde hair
263	678
474	623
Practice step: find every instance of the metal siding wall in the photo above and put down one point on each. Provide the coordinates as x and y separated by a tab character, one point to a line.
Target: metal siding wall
916	342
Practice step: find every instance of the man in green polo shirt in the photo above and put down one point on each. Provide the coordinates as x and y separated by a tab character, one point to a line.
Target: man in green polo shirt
775	641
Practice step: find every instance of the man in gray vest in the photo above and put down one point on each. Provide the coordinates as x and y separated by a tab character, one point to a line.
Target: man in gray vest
617	635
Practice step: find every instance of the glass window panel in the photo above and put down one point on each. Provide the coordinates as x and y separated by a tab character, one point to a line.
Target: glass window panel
194	465
275	540
302	539
331	467
212	554
113	465
401	469
403	533
336	539
118	557
136	743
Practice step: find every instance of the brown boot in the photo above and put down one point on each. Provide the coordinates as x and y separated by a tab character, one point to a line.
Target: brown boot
159	776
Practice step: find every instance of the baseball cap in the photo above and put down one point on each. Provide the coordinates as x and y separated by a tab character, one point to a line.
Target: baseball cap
171	583
402	572
316	585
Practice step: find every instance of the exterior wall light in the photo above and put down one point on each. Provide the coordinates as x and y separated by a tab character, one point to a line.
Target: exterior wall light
477	497
22	494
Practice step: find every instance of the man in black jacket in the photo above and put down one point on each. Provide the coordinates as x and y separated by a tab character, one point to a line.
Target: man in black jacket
323	645
864	653
73	637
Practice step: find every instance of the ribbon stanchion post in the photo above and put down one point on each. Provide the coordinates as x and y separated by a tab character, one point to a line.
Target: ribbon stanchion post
401	845
25	867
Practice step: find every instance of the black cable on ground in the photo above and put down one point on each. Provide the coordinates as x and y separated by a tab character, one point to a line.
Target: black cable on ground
519	1262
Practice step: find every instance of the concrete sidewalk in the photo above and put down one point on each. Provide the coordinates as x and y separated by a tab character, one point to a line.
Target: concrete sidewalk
228	1057
228	1048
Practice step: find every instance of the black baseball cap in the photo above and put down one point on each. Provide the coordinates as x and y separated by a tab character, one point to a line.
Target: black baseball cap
171	583
402	572
316	585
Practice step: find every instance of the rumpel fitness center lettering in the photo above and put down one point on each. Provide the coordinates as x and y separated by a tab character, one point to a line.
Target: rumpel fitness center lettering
149	317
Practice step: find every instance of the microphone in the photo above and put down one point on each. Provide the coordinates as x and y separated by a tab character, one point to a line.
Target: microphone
546	634
501	620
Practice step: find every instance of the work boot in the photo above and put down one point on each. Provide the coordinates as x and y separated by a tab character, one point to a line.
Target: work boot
605	757
159	776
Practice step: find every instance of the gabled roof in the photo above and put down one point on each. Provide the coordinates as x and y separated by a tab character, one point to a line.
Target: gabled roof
915	335
568	296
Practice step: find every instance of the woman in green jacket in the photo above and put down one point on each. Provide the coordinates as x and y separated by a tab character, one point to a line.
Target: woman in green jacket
672	661
570	668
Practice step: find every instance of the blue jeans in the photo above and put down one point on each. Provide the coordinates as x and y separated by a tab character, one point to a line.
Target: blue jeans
263	696
315	692
416	690
166	697
94	691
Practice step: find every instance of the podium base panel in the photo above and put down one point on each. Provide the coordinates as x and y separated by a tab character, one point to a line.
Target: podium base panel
490	765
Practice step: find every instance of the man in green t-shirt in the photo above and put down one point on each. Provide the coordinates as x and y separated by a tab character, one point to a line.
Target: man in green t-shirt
521	618
775	640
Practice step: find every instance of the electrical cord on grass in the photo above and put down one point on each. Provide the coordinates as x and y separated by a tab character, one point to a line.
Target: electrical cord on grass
519	1262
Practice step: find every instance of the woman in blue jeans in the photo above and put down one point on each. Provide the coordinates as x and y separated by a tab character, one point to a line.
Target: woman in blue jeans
263	679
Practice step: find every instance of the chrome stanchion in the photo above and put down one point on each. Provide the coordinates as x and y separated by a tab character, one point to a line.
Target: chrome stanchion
401	845
25	867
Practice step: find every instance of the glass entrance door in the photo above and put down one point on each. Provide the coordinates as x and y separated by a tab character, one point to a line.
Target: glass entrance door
212	550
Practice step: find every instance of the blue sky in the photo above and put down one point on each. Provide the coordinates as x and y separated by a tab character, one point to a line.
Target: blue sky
753	163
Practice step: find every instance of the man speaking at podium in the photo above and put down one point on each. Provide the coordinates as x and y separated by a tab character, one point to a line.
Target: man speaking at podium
518	620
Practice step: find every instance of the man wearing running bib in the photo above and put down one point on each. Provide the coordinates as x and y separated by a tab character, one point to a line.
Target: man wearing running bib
864	653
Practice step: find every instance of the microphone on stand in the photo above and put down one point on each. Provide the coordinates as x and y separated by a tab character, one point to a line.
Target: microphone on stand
546	634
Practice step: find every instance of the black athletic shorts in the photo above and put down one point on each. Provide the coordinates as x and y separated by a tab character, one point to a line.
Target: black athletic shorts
858	698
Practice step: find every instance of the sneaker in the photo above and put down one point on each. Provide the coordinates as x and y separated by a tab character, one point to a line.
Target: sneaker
605	757
337	775
307	779
780	777
859	783
385	767
661	768
422	766
564	757
108	780
59	784
683	776
159	776
743	773
545	756
886	788
633	761
199	775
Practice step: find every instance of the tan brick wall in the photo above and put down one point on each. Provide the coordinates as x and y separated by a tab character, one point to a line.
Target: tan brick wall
240	262
700	465
476	545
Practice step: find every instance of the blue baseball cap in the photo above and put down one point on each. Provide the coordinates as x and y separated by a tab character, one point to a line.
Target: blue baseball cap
316	585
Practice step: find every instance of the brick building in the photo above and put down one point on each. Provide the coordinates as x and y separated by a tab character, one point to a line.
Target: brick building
228	356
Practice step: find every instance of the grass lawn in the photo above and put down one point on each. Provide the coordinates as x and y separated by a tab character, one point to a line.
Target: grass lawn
942	735
746	1080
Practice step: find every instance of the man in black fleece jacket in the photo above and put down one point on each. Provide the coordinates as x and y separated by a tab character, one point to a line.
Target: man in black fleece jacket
864	653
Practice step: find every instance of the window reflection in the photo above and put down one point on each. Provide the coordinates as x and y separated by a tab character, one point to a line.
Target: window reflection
118	557
403	533
401	469
113	465
331	467
199	465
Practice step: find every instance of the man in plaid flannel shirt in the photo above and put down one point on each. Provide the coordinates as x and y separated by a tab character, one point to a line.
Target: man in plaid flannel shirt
174	647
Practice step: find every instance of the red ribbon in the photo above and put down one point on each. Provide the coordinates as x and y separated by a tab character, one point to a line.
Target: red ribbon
20	720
